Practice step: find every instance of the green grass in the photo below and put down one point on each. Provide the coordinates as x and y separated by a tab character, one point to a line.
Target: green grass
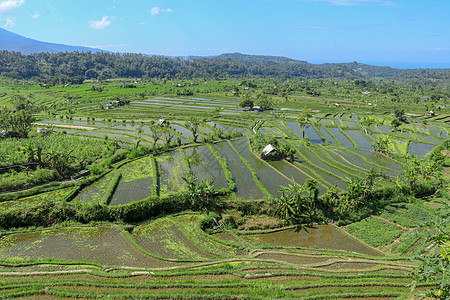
405	214
375	232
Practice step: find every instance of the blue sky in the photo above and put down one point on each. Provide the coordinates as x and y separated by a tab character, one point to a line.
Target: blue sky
400	33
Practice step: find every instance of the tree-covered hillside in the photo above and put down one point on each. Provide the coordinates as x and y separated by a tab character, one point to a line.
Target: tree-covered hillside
87	65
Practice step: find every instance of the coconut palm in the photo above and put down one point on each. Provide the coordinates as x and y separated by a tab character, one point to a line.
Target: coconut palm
297	203
303	120
59	161
381	144
193	124
155	132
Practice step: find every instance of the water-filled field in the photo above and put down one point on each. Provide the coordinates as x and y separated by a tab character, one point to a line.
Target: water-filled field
253	178
246	187
320	236
135	183
106	245
172	169
420	149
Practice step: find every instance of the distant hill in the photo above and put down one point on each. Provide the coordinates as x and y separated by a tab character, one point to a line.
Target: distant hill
13	42
350	70
259	58
92	65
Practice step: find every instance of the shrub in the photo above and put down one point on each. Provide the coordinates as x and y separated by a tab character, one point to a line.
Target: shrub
96	169
209	221
15	181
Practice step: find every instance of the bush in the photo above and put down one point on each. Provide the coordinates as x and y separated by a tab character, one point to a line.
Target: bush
15	181
230	222
96	169
141	151
259	141
209	221
426	188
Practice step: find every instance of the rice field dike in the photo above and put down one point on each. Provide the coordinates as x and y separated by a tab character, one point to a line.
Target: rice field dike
224	188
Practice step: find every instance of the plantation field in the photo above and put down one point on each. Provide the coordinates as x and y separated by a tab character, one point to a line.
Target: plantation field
173	256
140	229
13	151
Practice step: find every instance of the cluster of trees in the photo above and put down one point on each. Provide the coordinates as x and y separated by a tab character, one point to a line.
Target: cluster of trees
262	100
282	151
299	204
15	123
77	65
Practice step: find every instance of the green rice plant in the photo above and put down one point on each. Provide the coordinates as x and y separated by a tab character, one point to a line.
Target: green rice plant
189	224
31	192
374	232
187	164
226	171
405	214
303	157
252	171
332	135
132	240
316	129
87	149
57	195
72	194
291	132
155	174
22	180
390	159
333	163
111	187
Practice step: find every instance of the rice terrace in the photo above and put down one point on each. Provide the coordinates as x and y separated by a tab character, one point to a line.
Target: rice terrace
222	186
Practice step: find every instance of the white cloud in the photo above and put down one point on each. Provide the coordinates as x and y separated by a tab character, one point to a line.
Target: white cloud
357	2
8	5
9	22
439	49
36	16
158	11
103	23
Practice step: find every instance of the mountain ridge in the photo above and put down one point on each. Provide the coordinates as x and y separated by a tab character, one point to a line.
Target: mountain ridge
10	41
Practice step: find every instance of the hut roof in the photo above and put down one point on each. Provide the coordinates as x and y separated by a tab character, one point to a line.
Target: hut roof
268	149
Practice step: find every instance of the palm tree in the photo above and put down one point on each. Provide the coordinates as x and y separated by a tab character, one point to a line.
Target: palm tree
297	203
200	193
139	132
395	123
356	191
155	131
29	151
59	161
381	144
193	124
168	135
303	120
285	205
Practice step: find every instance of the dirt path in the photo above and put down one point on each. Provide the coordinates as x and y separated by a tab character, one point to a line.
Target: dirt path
66	126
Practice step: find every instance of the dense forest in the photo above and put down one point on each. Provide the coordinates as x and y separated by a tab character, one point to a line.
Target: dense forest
86	65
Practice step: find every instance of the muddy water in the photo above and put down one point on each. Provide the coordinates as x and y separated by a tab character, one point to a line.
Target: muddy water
319	236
